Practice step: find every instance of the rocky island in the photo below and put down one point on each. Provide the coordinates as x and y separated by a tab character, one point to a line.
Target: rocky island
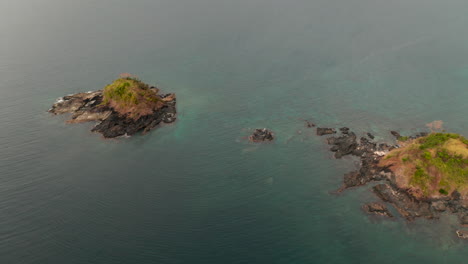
423	175
125	107
261	135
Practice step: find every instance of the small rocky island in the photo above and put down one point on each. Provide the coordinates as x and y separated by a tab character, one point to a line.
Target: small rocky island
125	107
423	175
261	135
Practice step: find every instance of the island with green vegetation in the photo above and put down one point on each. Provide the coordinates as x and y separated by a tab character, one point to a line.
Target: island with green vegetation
433	166
123	108
421	176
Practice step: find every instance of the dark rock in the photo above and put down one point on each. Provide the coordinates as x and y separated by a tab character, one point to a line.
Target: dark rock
261	135
377	208
369	171
454	206
352	179
407	205
325	131
422	134
455	195
370	136
334	148
395	134
367	145
385	147
309	124
464	220
343	145
344	130
439	206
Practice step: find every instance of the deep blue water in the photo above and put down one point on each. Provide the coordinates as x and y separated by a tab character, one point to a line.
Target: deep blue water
196	191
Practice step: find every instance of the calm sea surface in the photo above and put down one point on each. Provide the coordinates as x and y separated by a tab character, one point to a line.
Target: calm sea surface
196	191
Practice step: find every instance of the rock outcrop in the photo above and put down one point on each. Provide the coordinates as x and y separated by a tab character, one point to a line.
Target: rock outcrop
261	135
404	200
377	208
462	234
89	106
325	131
406	205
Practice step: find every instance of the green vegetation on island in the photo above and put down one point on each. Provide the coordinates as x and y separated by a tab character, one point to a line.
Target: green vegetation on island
124	107
433	165
130	96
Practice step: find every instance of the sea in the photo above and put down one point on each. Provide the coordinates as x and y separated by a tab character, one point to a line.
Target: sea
197	191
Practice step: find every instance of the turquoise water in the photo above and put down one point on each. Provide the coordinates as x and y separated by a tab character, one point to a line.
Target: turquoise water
196	191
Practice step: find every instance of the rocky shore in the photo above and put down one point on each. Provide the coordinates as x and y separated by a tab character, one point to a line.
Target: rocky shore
89	106
377	208
408	205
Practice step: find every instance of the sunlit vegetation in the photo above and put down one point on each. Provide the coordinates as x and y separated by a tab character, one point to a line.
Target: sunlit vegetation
130	96
436	164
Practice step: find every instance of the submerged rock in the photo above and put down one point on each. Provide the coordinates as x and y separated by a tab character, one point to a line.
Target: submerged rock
260	135
309	124
377	208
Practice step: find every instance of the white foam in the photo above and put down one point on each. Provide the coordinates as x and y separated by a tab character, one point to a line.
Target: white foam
380	153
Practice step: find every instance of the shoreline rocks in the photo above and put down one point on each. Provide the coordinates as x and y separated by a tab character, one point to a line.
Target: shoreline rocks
403	200
343	145
405	204
325	131
377	208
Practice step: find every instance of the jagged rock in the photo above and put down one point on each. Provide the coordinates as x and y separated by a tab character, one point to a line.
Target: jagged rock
325	131
439	206
343	145
344	130
464	220
309	124
407	205
369	171
455	195
377	208
367	145
395	134
422	134
260	135
75	102
385	147
370	135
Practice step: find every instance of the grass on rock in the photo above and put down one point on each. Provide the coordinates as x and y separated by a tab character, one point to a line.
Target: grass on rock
435	165
130	96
